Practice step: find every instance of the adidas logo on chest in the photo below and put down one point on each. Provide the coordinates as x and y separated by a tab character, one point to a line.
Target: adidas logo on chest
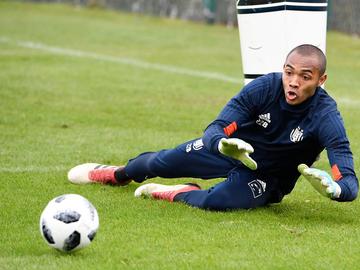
264	120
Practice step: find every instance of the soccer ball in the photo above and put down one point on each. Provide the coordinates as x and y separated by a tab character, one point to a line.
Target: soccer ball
69	222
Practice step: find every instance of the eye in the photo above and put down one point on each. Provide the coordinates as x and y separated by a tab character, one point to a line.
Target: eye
306	78
288	72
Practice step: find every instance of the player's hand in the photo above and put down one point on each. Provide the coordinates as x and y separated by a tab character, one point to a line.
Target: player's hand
238	149
321	181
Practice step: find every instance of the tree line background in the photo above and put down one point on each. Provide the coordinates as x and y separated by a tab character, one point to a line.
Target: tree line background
343	15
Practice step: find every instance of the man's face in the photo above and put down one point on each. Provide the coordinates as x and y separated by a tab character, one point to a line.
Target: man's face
300	78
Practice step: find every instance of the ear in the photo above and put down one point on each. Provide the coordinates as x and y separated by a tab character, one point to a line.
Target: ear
322	79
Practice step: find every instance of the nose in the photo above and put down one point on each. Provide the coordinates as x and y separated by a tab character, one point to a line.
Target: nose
294	82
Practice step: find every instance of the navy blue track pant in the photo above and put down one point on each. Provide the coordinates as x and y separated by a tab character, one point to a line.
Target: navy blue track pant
242	188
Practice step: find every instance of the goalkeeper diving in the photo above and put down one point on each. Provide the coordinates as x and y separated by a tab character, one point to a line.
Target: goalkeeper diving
263	140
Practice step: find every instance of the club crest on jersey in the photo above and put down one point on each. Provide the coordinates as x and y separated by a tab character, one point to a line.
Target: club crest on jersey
297	135
264	120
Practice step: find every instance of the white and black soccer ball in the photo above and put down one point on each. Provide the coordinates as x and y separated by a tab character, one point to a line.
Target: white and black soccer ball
69	222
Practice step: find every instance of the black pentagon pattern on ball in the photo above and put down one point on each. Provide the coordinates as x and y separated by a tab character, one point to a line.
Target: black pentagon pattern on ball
47	233
68	216
91	235
72	241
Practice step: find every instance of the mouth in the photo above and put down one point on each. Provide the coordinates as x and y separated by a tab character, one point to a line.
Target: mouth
291	95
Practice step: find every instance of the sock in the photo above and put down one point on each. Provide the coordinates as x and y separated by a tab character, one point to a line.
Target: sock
120	175
179	197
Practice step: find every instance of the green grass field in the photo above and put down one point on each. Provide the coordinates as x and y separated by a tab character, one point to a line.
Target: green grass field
80	85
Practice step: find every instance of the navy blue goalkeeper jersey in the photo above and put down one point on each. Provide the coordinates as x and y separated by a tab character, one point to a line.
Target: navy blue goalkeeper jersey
283	135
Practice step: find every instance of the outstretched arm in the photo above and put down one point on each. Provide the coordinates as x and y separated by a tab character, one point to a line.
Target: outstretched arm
239	111
333	136
219	135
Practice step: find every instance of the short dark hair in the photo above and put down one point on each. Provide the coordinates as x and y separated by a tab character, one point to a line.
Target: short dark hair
311	50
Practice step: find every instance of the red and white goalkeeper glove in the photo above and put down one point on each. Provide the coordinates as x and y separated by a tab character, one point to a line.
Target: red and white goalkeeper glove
238	149
321	181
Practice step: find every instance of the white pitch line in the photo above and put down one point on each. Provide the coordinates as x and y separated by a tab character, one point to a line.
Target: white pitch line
33	169
347	101
122	60
141	64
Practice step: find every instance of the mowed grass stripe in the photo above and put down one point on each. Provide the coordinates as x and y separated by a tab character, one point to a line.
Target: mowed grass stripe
140	64
121	60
